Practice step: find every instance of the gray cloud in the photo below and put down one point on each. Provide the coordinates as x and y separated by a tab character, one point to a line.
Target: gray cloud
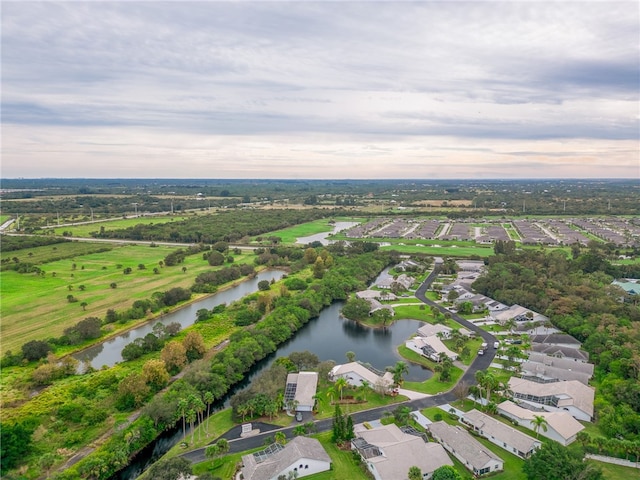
315	73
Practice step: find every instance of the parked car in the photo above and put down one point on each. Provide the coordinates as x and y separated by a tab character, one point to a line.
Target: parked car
480	352
496	344
298	416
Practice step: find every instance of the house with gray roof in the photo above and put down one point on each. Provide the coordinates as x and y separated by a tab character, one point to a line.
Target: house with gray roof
541	373
300	390
430	347
388	452
501	434
572	364
560	351
355	373
569	396
302	455
471	453
430	329
560	426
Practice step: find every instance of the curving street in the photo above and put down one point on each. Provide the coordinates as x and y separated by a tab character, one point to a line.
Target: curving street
481	362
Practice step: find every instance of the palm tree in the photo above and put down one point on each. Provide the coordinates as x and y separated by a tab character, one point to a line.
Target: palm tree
183	405
539	422
208	399
340	384
280	438
398	371
364	386
191	418
351	356
331	394
487	382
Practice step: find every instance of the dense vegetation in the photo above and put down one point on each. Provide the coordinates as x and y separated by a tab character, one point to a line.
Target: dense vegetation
228	226
577	295
68	412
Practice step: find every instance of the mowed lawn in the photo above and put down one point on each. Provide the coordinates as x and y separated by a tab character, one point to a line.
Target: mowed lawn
85	230
291	234
36	307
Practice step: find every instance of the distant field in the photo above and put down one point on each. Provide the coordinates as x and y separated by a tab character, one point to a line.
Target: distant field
85	230
36	307
443	250
48	253
291	234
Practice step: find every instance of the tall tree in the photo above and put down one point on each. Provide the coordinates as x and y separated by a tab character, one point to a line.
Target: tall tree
399	370
555	462
539	422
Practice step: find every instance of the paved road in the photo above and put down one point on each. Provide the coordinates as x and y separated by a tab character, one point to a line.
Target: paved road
481	362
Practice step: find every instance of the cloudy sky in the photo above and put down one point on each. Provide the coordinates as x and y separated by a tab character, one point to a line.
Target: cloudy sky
320	89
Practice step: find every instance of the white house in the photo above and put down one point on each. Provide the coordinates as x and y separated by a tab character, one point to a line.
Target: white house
501	434
430	347
300	390
560	426
430	329
388	452
471	453
302	455
519	314
569	396
355	373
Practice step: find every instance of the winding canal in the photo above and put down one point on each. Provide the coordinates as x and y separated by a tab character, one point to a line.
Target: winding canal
109	352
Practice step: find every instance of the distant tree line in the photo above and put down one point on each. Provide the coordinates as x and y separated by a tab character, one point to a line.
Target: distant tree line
225	226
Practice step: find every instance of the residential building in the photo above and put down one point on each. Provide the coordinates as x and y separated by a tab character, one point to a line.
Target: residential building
501	434
572	364
388	452
356	372
570	396
430	329
300	390
471	453
519	313
302	455
560	426
430	347
559	351
541	373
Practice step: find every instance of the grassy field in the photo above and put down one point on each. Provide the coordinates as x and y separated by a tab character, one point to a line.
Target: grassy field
616	472
291	234
36	307
49	253
85	230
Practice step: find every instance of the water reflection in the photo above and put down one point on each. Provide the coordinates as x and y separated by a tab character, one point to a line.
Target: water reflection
109	352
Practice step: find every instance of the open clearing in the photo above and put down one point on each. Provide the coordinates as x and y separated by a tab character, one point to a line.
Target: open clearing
36	307
85	230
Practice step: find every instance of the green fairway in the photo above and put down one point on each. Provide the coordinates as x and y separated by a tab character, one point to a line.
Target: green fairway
58	251
118	224
291	234
36	307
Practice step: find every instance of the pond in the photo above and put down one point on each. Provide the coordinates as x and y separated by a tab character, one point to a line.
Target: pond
330	336
109	352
